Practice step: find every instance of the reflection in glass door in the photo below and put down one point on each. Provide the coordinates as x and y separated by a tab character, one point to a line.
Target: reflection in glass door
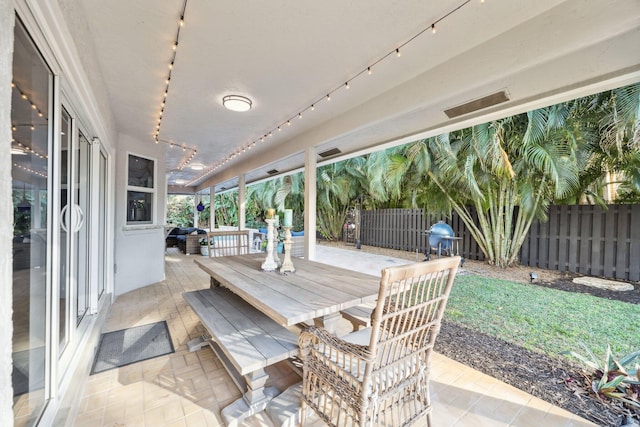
31	126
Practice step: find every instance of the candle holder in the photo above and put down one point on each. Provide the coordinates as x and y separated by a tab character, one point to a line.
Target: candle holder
287	265
269	263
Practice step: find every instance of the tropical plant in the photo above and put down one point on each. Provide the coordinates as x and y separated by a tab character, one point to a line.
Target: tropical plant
180	210
614	378
338	186
612	161
504	173
226	208
500	176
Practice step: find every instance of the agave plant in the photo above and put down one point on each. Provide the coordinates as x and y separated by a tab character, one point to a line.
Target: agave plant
613	378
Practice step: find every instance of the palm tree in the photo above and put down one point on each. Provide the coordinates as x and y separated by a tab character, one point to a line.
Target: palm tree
614	159
505	173
338	186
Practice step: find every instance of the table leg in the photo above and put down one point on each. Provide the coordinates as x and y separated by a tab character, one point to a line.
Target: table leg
329	322
253	401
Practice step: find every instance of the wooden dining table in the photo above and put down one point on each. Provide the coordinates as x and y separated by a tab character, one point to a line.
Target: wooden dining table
314	293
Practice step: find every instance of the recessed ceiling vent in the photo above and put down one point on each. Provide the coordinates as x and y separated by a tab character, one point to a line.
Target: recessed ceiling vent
329	153
272	171
477	104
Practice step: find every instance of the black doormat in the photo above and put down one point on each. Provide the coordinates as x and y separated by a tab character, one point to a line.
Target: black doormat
127	346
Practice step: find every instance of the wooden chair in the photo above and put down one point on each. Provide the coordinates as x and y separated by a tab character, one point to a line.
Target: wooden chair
379	375
228	243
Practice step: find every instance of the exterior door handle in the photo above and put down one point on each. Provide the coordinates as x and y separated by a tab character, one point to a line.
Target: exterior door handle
80	220
63	218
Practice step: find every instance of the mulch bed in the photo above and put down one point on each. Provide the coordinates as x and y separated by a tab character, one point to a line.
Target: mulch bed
557	381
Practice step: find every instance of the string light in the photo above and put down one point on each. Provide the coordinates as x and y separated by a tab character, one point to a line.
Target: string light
346	85
35	172
28	149
174	48
186	161
24	96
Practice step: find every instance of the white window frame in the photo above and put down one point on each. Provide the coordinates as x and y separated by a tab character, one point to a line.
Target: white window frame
150	190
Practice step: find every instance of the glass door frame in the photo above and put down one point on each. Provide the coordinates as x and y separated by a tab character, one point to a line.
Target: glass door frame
74	330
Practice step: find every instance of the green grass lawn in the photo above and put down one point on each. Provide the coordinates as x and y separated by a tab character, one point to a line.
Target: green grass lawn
542	319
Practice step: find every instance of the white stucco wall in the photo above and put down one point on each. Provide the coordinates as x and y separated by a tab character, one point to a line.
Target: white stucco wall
6	212
78	29
139	249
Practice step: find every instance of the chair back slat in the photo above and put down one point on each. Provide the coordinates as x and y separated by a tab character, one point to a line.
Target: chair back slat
228	243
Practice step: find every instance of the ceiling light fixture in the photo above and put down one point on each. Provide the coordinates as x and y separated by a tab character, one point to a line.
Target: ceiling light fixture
236	103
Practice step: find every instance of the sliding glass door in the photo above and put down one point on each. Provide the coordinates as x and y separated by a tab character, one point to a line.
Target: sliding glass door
59	245
31	117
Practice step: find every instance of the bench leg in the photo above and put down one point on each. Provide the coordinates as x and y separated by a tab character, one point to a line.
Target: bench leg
253	401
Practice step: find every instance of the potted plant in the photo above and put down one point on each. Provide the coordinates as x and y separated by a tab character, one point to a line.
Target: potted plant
204	247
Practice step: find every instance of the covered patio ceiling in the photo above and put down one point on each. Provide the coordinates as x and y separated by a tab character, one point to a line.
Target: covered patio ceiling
287	56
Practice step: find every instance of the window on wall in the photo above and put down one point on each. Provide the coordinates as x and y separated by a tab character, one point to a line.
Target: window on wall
140	190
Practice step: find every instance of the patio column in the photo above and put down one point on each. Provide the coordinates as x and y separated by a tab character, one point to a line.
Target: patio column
212	208
310	166
242	202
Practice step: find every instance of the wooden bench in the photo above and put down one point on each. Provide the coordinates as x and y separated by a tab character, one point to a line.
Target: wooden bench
359	316
229	242
246	341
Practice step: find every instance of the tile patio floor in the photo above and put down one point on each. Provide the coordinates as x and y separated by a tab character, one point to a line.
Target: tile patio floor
189	389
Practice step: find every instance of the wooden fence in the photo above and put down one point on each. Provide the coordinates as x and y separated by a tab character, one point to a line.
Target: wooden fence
582	239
